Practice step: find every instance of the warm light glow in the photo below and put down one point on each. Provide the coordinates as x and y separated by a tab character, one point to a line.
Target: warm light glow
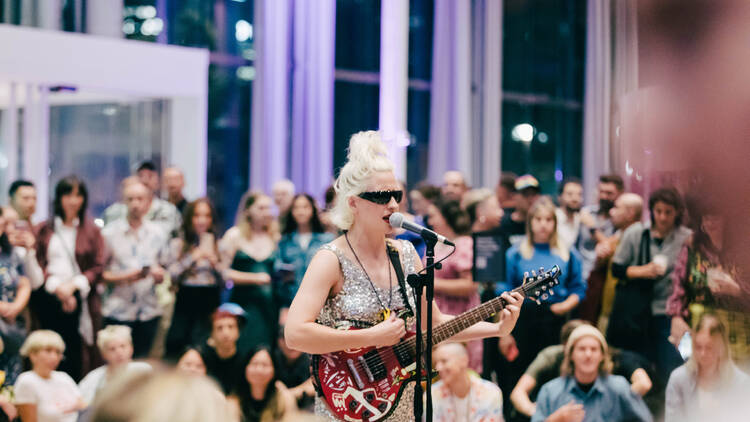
523	132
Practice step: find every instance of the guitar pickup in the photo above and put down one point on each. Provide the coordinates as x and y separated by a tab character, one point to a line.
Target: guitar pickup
355	374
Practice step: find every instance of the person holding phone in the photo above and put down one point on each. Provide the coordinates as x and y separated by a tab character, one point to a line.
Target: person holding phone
193	262
133	270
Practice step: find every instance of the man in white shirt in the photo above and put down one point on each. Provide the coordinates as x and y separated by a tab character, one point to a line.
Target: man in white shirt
570	201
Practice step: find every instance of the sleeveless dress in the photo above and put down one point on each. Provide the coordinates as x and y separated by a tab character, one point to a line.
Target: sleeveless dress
257	301
357	302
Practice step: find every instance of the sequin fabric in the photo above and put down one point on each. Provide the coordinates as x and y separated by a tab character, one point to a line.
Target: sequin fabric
356	302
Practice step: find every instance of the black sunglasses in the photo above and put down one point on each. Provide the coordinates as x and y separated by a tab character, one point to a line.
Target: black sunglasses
382	197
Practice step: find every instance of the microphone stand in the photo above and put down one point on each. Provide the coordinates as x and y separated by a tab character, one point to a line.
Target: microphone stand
418	282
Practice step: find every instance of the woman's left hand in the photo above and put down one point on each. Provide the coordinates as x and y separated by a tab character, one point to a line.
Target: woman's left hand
509	315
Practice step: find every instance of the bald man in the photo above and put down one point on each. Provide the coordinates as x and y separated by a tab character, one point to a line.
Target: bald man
174	182
461	395
454	185
627	211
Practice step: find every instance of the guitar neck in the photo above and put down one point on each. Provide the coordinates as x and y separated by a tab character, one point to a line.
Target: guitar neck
465	320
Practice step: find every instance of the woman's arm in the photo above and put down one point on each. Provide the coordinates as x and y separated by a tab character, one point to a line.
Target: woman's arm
520	395
27	412
23	292
462	286
304	334
241	277
640	382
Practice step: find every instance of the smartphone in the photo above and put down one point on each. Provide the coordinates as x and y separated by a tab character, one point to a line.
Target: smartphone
22	225
145	270
207	242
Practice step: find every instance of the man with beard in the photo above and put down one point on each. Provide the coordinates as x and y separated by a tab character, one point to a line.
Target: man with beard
595	221
569	202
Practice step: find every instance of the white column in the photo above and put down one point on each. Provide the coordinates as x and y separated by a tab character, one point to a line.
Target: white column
492	99
36	145
394	80
9	138
597	95
270	108
49	14
188	146
104	17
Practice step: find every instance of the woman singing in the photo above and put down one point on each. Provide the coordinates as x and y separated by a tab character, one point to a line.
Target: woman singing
352	279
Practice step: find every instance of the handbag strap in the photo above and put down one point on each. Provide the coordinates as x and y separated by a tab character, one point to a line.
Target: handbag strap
644	252
393	254
67	249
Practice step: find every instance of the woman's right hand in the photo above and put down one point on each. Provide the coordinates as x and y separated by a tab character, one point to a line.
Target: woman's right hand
678	330
388	332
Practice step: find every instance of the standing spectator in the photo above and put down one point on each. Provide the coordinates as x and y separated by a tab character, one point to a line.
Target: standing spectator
506	188
44	394
174	182
570	201
586	390
283	194
260	396
454	185
325	213
251	248
513	224
15	289
483	209
455	290
640	323
708	386
703	282
415	239
224	361
71	251
303	235
22	194
600	294
461	395
194	267
159	211
421	197
133	270
539	325
595	220
116	346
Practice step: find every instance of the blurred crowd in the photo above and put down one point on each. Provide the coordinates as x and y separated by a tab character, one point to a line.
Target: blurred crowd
649	312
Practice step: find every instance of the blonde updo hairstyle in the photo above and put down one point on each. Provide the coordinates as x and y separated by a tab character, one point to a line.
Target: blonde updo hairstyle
367	155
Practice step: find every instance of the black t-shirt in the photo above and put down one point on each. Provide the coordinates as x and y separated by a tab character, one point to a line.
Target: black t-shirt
625	362
227	372
294	373
513	230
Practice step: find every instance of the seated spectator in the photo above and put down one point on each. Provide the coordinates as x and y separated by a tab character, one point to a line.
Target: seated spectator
8	411
116	347
194	267
44	394
704	282
294	370
162	396
455	290
15	289
191	361
708	386
586	391
70	250
546	367
303	235
461	395
570	201
260	396
251	248
224	361
644	262
483	209
133	270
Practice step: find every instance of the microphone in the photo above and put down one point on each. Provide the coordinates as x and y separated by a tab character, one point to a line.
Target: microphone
398	221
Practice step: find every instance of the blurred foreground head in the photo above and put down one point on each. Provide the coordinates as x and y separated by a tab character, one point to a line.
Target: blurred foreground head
159	397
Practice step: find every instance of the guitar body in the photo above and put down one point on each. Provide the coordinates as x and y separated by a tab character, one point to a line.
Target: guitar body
363	384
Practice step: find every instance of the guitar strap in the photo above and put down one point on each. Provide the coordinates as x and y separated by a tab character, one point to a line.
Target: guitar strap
393	254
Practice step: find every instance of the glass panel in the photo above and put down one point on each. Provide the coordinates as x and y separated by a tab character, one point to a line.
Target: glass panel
358	35
101	143
355	109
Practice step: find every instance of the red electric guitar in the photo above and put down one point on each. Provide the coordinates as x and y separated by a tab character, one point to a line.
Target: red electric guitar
366	384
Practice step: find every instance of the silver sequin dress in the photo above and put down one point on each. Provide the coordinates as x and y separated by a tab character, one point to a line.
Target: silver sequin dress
357	302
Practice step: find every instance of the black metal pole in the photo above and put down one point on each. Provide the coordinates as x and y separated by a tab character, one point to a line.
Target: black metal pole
429	281
415	280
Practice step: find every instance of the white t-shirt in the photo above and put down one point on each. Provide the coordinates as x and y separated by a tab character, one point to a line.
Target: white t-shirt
97	379
53	396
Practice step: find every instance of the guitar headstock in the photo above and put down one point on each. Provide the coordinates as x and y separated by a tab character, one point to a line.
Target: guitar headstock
538	286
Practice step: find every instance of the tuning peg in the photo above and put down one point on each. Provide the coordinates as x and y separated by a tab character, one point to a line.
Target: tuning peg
526	275
538	302
533	273
541	270
545	296
551	292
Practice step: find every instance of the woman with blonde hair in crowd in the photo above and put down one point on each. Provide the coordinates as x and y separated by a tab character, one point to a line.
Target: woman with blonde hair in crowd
353	277
44	394
708	386
251	249
116	346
